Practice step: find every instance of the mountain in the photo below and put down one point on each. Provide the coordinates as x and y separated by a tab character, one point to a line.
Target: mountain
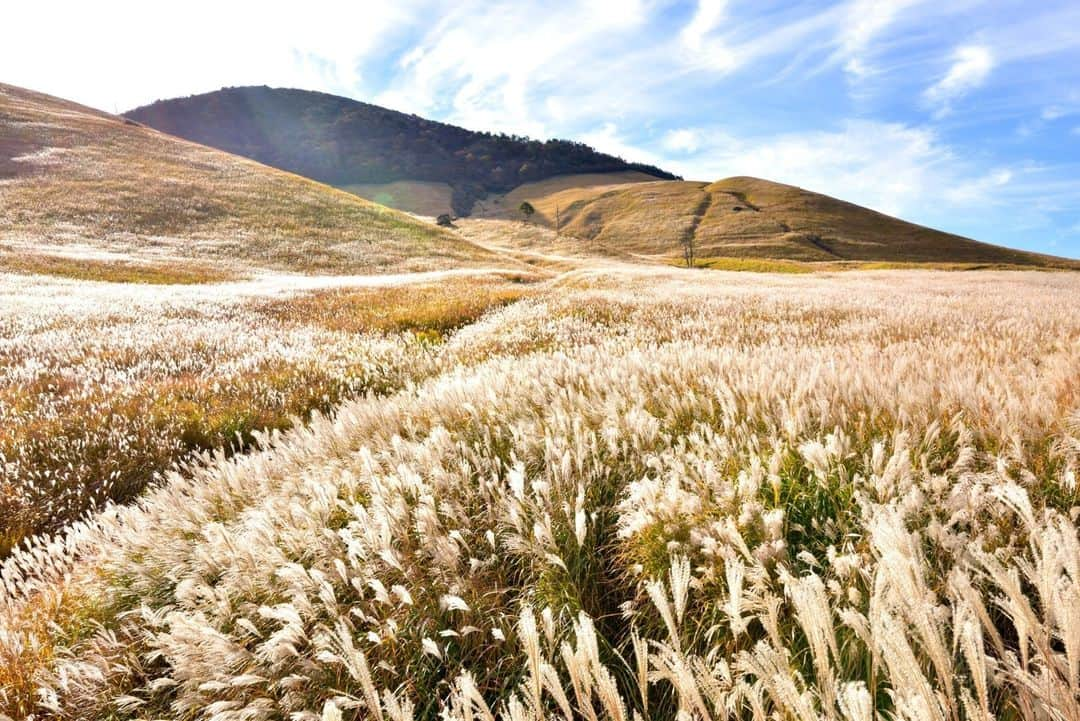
344	142
746	217
71	174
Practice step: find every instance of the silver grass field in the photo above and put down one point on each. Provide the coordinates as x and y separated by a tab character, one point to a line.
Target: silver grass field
628	495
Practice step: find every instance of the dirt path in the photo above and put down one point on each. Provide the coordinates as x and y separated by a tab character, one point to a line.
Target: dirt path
690	234
495	236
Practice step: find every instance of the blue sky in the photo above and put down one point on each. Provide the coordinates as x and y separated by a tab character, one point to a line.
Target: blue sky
960	114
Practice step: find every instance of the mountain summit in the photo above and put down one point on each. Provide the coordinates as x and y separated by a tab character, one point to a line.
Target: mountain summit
345	142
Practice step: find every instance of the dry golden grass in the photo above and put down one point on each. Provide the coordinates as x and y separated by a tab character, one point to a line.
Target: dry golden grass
896	265
429	310
411	196
752	265
20	663
73	174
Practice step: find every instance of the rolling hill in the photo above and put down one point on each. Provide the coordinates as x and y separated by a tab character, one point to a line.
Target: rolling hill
344	142
746	217
73	175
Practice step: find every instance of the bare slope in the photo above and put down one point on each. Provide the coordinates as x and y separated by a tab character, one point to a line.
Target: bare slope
746	217
70	175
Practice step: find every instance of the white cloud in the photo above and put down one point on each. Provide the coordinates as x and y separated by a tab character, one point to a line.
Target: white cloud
971	66
684	140
1046	29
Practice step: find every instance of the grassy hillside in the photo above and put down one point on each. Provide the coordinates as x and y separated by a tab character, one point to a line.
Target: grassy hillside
70	175
345	142
752	218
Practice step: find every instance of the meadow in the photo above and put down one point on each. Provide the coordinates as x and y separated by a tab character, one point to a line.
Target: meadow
617	494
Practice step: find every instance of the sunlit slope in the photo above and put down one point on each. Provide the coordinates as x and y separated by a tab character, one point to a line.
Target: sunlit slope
753	218
412	196
73	175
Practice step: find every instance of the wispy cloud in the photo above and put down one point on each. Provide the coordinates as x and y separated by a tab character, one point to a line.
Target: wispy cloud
1067	105
971	66
864	22
698	37
980	190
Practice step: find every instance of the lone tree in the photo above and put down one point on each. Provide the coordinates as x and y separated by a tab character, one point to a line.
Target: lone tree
527	210
687	243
